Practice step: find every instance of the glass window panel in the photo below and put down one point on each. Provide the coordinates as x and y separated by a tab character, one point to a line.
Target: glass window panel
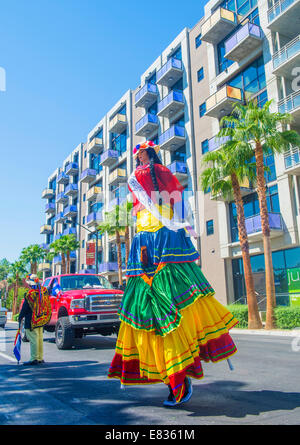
292	257
237	82
252	87
250	74
257	263
278	260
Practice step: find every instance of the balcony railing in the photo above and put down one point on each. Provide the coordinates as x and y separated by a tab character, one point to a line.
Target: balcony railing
48	193
62	178
57	236
215	142
95	146
118	175
72	168
94	192
292	161
243	42
61	198
59	217
88	175
44	267
173	138
221	103
71	190
94	218
146	96
109	157
46	229
218	25
170	72
108	267
171	104
253	226
70	211
179	169
279	7
70	231
290	104
288	57
118	123
147	125
50	207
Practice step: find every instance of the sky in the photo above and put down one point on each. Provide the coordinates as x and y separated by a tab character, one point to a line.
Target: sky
67	62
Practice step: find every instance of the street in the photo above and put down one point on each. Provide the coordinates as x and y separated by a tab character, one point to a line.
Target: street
71	388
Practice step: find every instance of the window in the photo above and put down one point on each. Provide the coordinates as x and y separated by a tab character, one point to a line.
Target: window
198	40
83	220
83	243
202	109
200	74
118	142
95	162
204	146
179	154
177	54
210	227
85	153
84	197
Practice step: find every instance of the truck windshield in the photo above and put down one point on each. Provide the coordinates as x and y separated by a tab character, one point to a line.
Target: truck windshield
84	282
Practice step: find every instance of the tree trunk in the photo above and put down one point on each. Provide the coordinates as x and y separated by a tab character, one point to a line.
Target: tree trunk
68	261
119	255
16	288
254	321
63	263
269	273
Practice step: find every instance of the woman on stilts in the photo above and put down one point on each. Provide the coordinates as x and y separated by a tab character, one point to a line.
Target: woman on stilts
170	320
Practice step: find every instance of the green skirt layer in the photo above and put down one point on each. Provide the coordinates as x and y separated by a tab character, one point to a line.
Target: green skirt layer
157	307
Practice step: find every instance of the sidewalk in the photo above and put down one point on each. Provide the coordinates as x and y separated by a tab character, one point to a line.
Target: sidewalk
278	332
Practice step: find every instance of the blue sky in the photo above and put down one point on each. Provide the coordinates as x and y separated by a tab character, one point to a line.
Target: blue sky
67	62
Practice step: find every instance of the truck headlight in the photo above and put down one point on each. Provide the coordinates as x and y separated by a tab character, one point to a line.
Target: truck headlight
77	304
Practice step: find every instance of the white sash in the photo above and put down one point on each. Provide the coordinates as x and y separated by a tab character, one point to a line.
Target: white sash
142	196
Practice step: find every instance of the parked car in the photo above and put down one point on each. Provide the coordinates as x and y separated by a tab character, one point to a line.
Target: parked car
87	304
3	316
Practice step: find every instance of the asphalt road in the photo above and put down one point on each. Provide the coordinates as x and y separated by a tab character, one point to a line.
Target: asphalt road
71	388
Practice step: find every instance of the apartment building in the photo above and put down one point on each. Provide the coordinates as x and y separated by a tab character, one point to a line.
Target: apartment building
240	49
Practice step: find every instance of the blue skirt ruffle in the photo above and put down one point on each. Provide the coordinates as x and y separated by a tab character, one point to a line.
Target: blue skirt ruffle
163	246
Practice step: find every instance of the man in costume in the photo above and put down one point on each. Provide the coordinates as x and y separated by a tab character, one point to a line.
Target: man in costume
170	320
36	310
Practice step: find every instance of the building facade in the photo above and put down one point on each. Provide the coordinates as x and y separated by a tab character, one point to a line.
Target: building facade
240	49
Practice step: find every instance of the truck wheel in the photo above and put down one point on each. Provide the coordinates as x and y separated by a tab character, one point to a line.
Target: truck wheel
64	334
23	332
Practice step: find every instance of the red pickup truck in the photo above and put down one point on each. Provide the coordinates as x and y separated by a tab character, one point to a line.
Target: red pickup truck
86	304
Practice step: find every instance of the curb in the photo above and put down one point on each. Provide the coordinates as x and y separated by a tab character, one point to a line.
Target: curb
275	332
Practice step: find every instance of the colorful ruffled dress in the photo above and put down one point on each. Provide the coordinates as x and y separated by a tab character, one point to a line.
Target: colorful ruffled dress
170	320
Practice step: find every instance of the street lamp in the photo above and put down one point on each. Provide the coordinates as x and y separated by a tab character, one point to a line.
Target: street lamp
93	233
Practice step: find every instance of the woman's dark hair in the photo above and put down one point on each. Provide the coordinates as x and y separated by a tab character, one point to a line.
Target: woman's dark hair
154	159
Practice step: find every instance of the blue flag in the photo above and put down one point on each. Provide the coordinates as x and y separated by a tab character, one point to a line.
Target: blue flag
17	346
56	287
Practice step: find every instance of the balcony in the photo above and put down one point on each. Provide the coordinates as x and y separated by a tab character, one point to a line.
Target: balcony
62	178
94	193
221	103
170	72
146	96
117	176
95	146
109	157
44	267
45	246
245	187
254	230
218	25
108	268
46	229
215	142
283	17
243	42
147	125
292	161
59	218
61	198
48	193
118	124
94	218
50	208
288	58
173	138
72	168
88	175
57	236
171	104
71	190
70	211
291	104
116	202
70	231
179	169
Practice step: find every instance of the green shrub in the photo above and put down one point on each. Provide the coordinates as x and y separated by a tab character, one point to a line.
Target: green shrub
240	312
16	317
287	317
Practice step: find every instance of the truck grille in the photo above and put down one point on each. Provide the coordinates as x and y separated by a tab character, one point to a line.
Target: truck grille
104	302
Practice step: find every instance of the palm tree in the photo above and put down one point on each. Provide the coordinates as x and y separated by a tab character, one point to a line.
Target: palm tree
17	271
58	248
261	130
69	244
228	168
32	255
